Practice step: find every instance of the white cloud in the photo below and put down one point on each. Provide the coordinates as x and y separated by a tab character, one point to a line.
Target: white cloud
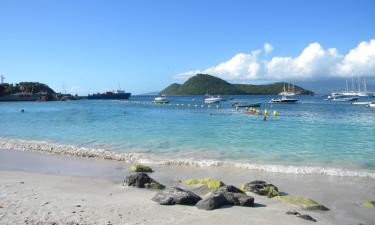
267	47
313	62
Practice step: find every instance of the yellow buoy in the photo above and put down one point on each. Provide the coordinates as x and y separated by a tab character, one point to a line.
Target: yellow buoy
209	106
275	113
218	106
266	112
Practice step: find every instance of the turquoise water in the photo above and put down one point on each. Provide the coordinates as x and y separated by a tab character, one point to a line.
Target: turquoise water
312	133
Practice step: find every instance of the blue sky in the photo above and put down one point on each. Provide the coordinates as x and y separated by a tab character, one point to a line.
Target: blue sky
94	45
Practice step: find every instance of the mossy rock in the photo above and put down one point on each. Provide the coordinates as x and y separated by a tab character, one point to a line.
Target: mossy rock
140	168
369	204
261	188
304	203
270	191
210	183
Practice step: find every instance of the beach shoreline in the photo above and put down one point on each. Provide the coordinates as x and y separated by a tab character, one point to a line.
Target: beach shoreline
63	181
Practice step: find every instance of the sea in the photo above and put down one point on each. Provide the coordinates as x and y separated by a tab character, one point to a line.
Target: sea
314	136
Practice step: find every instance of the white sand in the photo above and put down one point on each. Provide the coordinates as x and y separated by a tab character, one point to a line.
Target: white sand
42	189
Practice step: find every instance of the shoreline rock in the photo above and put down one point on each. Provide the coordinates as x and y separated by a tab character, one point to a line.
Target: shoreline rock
226	195
261	188
142	180
140	169
304	203
175	195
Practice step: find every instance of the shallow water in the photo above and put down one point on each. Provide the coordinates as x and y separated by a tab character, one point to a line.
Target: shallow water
314	133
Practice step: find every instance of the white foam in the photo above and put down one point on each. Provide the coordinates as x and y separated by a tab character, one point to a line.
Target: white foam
149	158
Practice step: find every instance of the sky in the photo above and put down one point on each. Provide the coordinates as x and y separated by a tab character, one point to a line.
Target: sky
87	46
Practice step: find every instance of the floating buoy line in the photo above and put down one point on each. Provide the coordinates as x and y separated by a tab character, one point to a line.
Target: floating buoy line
248	111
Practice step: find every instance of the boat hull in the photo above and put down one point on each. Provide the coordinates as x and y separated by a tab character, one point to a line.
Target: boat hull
254	105
122	96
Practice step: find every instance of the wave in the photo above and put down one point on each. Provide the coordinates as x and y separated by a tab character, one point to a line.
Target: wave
150	158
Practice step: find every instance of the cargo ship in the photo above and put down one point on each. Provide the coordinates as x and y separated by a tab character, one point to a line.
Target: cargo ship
111	95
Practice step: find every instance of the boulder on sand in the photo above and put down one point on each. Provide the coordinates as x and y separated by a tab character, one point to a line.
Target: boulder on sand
261	188
225	195
142	180
175	195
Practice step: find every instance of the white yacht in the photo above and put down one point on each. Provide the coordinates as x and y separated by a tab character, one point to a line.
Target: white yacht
212	99
161	100
284	100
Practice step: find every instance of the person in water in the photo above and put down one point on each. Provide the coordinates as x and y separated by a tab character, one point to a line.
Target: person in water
22	110
264	118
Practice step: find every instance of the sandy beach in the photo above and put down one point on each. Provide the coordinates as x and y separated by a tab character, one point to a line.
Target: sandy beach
52	189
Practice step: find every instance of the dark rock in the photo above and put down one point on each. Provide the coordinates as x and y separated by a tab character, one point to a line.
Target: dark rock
239	199
174	195
226	195
229	188
216	200
261	188
306	217
142	180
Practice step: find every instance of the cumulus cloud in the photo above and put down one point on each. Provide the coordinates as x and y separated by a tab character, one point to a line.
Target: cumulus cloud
313	62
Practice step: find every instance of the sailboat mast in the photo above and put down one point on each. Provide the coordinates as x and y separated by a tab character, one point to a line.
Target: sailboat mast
347	87
352	84
359	85
364	85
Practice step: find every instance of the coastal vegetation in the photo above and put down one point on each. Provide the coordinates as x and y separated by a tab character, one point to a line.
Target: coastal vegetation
26	88
202	84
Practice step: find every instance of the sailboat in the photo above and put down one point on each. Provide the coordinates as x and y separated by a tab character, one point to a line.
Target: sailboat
290	91
363	93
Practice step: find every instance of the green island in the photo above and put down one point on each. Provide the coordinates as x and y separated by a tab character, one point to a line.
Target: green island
202	84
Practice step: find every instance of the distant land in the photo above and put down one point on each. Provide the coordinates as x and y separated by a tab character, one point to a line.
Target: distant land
31	91
202	84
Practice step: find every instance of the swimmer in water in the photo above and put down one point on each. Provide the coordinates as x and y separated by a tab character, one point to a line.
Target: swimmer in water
22	110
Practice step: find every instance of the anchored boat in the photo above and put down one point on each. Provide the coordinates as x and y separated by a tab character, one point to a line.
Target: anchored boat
212	99
161	100
247	105
283	100
111	95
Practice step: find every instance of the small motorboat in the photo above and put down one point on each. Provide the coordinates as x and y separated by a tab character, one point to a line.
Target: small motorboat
212	99
247	105
161	100
283	100
371	105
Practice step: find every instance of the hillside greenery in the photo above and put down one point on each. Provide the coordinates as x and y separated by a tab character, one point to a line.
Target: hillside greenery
202	84
25	87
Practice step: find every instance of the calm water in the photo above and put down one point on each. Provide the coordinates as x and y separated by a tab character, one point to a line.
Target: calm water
312	133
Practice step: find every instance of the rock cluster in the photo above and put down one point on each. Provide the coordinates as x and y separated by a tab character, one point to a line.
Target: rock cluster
225	195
